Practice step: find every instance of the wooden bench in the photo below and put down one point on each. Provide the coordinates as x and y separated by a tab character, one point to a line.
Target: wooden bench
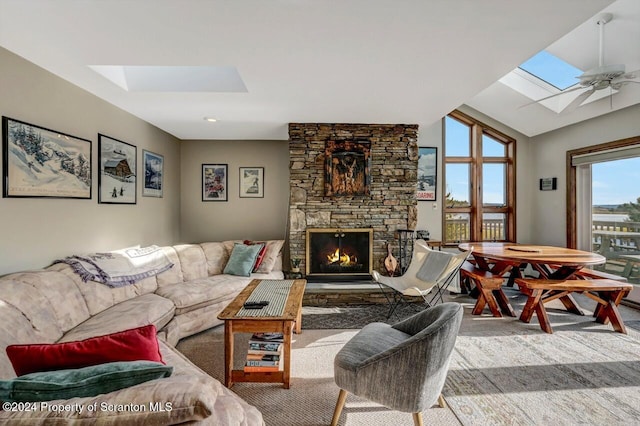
489	291
606	292
590	274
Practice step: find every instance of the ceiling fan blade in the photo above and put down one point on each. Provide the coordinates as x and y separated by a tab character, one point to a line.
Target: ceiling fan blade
552	96
578	100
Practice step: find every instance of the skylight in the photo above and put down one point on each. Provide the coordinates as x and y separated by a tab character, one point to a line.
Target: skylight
143	78
552	69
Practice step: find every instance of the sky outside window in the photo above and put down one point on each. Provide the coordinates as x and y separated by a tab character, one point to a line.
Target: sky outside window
552	69
613	182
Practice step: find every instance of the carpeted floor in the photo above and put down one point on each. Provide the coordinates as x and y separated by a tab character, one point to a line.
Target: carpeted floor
503	372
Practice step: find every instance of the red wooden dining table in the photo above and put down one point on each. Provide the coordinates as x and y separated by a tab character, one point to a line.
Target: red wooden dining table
553	263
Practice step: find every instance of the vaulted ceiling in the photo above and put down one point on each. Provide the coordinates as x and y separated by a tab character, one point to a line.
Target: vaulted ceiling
308	61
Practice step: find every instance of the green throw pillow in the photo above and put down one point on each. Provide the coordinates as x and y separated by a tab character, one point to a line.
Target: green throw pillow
81	382
242	259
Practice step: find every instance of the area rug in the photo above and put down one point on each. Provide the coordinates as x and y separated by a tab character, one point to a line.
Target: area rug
313	393
502	372
506	372
354	316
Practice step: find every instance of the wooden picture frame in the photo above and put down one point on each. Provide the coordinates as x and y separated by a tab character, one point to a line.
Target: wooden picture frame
117	177
152	182
427	174
251	182
44	163
215	182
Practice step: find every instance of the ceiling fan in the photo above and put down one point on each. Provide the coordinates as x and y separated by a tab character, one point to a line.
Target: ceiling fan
599	78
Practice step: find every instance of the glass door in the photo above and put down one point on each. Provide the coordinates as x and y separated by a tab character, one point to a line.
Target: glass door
615	218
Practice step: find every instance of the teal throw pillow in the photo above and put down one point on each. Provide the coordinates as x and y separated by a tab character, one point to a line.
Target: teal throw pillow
242	259
81	382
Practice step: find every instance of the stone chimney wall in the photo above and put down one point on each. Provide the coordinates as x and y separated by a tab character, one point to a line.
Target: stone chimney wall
391	204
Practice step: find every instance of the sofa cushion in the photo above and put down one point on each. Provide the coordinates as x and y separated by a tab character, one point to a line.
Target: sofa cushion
195	294
136	312
81	382
130	345
33	304
242	259
62	293
192	261
217	257
98	296
172	275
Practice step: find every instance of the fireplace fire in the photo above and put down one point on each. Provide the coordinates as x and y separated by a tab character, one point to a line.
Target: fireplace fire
343	252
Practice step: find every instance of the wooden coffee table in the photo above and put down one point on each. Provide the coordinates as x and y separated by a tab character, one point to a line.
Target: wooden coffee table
290	319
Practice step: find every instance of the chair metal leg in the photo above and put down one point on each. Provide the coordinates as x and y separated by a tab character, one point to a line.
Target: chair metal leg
342	396
393	304
417	419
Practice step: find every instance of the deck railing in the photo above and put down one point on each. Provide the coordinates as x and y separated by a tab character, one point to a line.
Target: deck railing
459	230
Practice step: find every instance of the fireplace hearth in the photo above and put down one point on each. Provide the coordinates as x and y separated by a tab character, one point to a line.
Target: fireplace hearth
339	253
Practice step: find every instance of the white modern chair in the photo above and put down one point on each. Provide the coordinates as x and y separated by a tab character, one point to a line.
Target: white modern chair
429	271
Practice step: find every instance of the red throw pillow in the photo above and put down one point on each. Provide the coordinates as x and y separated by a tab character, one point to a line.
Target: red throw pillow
137	344
260	257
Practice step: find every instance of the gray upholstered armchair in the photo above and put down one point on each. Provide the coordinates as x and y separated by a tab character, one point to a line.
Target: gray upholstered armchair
403	366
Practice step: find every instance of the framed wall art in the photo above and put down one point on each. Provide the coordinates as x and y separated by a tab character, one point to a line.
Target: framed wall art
251	182
153	173
117	177
214	182
347	168
427	174
40	162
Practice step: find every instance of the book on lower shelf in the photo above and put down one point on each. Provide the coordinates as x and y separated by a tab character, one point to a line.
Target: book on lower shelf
264	352
262	362
261	369
270	343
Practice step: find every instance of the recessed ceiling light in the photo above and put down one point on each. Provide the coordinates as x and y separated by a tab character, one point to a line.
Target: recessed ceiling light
210	119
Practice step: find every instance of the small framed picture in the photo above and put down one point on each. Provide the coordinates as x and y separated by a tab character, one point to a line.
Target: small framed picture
251	182
214	182
427	172
117	177
153	172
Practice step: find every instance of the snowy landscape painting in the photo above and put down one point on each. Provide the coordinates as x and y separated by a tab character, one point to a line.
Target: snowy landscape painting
117	178
40	162
153	170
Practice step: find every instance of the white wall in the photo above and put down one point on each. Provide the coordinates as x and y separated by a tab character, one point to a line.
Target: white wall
36	231
430	212
237	218
549	158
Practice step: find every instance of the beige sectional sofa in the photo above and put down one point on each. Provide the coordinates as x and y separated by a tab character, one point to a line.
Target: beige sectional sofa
55	305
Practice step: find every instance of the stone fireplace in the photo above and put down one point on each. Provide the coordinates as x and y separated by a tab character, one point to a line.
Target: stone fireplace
332	252
376	166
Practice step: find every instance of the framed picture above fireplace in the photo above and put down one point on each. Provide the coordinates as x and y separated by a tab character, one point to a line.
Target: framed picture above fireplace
427	173
347	168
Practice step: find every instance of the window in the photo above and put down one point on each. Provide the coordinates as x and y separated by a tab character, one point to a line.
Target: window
479	181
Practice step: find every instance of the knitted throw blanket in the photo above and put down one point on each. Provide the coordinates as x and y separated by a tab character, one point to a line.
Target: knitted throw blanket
119	268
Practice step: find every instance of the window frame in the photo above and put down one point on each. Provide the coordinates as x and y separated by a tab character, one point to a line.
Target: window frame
476	162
